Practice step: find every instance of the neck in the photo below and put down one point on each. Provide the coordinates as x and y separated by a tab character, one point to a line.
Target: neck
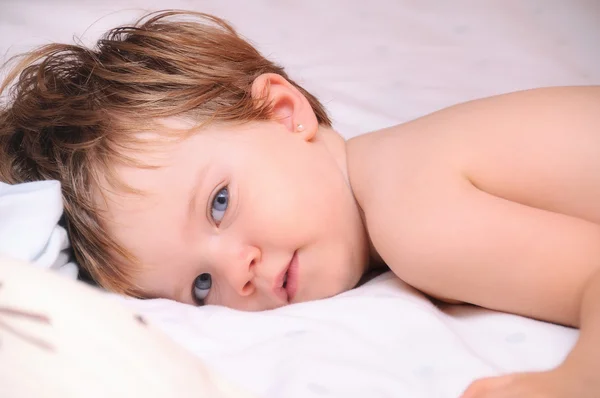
335	144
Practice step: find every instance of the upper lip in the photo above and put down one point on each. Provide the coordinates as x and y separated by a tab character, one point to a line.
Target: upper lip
278	281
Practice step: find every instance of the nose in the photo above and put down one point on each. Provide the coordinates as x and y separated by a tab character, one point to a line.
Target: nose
238	266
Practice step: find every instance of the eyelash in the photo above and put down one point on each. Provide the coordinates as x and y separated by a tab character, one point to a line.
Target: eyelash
213	294
197	301
212	199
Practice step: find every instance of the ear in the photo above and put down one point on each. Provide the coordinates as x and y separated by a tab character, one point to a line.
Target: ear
289	106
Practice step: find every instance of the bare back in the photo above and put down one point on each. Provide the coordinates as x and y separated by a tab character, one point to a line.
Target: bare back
494	202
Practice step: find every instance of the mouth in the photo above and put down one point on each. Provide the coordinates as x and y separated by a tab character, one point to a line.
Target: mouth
287	283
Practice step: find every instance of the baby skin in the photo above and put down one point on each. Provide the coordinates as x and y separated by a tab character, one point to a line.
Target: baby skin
494	202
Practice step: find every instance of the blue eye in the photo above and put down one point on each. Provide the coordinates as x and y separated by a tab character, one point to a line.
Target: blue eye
202	285
219	205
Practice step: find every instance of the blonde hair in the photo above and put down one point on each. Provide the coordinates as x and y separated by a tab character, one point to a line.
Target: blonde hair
72	110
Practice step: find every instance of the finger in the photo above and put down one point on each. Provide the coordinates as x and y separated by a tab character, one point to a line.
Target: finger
488	387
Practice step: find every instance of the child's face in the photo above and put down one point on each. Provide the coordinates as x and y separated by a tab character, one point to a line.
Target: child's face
237	202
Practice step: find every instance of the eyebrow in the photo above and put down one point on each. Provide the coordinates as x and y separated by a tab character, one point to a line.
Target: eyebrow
180	296
193	195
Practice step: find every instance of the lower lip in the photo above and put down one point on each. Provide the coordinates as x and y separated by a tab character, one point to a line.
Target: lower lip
292	278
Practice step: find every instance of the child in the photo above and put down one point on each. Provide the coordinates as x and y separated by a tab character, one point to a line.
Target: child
195	169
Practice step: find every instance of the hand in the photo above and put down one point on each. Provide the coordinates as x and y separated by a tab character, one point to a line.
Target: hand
557	383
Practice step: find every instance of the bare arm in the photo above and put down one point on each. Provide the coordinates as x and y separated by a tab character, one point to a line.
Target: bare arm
481	249
585	357
576	377
496	203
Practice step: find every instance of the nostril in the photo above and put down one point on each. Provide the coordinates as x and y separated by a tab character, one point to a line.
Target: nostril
247	289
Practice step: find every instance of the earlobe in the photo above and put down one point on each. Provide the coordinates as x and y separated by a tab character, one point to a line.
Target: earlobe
288	105
307	134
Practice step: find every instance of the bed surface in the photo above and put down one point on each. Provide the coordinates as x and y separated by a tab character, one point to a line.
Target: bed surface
373	64
383	339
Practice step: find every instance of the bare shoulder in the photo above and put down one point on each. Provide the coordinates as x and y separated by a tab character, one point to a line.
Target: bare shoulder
540	147
431	188
487	120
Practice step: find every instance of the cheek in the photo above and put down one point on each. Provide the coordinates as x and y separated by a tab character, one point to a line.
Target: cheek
294	196
276	208
274	204
323	198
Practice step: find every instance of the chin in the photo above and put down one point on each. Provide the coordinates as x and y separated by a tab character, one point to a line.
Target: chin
344	274
333	288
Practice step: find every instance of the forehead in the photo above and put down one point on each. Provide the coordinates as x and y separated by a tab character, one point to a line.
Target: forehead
157	155
144	209
148	219
163	164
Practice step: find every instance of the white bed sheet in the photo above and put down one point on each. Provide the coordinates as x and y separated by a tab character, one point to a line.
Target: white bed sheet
373	64
383	339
